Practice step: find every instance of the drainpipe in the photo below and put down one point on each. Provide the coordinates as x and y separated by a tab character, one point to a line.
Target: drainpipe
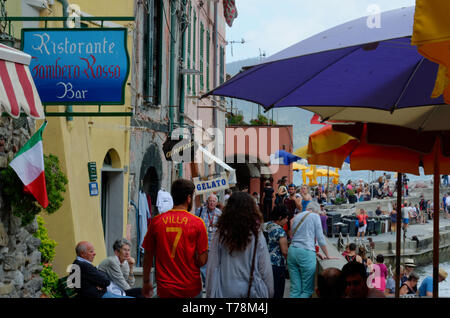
216	44
215	120
182	87
173	66
65	4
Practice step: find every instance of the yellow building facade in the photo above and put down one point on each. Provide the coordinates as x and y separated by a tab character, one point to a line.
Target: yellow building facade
99	219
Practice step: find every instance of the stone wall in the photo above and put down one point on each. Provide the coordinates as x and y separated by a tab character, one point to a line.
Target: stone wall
20	259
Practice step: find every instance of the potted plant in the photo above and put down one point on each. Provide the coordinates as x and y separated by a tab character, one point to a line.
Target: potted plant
352	198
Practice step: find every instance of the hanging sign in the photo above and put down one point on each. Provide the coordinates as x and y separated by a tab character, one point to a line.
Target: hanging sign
182	150
78	66
92	169
93	188
211	185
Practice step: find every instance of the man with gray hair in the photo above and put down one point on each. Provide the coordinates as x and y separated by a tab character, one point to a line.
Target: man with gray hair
119	269
210	214
93	283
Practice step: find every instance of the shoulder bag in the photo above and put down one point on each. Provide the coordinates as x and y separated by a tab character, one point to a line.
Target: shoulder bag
296	228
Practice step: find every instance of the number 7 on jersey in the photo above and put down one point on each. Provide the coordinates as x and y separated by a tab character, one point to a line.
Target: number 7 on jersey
179	231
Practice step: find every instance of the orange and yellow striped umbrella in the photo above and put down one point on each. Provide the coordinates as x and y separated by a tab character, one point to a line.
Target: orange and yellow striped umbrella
431	34
363	156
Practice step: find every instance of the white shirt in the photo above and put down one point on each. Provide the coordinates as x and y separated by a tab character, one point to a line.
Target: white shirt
144	214
447	201
83	260
164	202
405	213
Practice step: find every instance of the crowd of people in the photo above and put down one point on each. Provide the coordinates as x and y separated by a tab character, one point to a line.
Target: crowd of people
239	249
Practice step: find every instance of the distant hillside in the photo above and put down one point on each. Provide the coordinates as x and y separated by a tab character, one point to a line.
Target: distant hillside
299	118
234	67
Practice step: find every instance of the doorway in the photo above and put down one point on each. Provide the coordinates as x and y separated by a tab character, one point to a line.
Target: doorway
111	203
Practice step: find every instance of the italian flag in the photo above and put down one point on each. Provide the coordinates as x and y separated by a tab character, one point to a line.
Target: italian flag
28	163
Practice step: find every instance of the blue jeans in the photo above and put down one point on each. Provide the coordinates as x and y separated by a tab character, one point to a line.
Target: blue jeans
111	295
302	268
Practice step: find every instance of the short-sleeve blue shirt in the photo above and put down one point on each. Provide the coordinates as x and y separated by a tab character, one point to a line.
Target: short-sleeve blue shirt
275	233
426	286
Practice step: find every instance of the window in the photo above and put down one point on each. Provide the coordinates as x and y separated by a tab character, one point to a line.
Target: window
152	53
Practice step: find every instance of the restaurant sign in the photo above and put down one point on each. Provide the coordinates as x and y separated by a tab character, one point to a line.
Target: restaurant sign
78	66
211	185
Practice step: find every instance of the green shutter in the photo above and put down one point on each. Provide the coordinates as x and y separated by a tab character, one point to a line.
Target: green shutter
202	60
207	60
189	89
194	56
222	64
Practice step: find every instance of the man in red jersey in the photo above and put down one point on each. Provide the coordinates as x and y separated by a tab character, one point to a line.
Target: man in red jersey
179	241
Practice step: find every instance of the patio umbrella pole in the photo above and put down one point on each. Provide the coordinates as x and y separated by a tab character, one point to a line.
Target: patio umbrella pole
436	183
328	182
398	233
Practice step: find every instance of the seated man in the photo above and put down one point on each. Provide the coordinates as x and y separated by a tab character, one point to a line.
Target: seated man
93	283
119	269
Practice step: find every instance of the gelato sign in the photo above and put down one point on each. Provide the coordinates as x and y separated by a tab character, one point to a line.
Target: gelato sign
211	185
78	66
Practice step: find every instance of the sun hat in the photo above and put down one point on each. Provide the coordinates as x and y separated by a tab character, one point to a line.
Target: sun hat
410	262
443	273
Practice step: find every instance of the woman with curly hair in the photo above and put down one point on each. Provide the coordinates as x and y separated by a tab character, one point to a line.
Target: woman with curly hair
238	256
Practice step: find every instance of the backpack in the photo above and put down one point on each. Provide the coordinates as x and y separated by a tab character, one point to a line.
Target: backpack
422	205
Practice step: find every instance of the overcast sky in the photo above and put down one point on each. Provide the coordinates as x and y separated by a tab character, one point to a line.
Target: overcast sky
273	25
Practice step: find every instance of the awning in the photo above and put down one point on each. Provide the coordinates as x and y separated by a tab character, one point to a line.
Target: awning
213	159
17	89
